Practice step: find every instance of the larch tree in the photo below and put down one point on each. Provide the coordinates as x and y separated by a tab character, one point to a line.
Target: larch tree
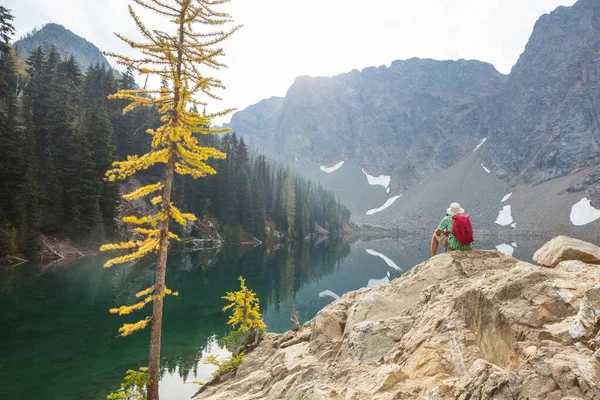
180	58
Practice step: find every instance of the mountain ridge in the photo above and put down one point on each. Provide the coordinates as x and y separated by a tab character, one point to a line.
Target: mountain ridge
418	86
66	43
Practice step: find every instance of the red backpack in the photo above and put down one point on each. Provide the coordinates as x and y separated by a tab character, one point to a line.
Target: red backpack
462	229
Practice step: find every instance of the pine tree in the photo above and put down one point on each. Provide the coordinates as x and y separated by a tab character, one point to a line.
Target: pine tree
97	234
29	198
244	195
289	201
10	131
173	143
299	214
6	29
98	130
11	141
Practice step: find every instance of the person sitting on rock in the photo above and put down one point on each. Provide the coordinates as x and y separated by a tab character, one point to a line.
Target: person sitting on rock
454	231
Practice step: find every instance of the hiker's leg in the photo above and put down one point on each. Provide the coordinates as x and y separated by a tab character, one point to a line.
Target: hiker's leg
434	244
445	243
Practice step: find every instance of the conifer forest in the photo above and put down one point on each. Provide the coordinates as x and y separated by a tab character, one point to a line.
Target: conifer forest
59	134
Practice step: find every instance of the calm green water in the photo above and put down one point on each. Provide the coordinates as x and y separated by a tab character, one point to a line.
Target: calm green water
58	341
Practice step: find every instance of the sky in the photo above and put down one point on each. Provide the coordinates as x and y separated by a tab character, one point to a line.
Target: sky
284	39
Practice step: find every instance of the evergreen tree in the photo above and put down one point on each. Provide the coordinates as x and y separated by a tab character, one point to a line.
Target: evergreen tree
289	201
174	143
97	233
98	130
10	137
11	140
279	212
29	199
6	29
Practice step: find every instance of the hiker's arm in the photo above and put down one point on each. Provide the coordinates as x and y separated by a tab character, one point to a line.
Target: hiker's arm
442	228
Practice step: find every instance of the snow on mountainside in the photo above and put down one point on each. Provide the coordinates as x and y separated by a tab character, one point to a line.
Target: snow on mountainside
331	169
444	131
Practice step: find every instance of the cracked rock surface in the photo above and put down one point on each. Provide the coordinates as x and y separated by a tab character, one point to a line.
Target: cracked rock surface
462	325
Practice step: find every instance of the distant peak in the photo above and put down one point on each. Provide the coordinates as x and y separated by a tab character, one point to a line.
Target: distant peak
54	25
66	42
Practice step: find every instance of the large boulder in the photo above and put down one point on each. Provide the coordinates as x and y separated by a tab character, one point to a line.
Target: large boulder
564	248
462	325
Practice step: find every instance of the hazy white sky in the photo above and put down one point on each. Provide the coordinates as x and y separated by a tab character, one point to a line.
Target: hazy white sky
283	39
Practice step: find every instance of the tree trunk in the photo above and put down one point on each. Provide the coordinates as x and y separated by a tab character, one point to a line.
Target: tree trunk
161	265
159	288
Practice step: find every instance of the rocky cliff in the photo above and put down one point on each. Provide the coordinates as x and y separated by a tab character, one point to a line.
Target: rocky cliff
548	122
462	325
66	43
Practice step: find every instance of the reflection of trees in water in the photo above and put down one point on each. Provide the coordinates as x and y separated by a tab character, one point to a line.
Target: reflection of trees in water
129	279
187	363
291	267
7	276
205	259
276	276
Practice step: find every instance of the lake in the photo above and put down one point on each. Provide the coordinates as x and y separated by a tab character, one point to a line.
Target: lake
58	340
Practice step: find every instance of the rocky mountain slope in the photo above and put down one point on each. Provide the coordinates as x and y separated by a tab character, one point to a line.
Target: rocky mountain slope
462	325
548	122
473	134
422	114
66	42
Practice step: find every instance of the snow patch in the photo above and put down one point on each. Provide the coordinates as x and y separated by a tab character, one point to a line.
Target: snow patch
582	213
505	248
506	197
479	145
381	180
331	169
485	169
504	217
377	282
388	203
514	244
513	225
329	293
387	260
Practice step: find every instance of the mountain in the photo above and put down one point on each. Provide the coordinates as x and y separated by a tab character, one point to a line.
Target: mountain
419	134
548	122
419	113
66	42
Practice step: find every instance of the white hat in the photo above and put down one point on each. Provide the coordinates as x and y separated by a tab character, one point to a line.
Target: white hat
455	209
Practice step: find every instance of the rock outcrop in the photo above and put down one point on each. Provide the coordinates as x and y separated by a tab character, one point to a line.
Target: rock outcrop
563	248
462	325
